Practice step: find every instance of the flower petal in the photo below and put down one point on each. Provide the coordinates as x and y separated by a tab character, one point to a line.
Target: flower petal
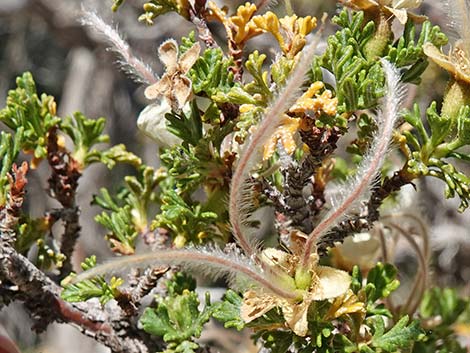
332	283
152	123
400	14
445	62
160	88
296	316
256	305
188	59
181	90
168	54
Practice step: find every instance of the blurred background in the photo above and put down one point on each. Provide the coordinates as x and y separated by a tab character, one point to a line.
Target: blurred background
71	63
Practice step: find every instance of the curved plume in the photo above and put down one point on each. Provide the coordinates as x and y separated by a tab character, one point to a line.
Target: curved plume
355	188
130	64
251	154
241	271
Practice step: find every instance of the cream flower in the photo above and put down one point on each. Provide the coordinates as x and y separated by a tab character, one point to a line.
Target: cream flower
152	123
327	283
457	63
174	85
399	8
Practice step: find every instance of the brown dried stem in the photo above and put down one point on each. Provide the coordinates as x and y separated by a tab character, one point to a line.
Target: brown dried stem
10	212
63	184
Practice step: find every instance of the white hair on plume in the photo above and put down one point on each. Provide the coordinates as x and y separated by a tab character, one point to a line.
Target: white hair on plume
357	187
239	269
130	64
240	188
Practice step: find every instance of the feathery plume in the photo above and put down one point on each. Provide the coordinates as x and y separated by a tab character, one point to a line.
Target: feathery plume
130	64
355	188
241	271
252	150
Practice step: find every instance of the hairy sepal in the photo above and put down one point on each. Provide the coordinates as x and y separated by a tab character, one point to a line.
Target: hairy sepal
357	188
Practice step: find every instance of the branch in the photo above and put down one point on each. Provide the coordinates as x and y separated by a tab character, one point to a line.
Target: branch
360	223
63	184
21	280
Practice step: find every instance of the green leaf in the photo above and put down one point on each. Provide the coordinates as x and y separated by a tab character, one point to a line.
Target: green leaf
93	288
399	336
176	318
155	8
228	310
359	81
9	150
187	221
259	85
381	281
110	157
407	52
210	73
444	303
187	127
33	114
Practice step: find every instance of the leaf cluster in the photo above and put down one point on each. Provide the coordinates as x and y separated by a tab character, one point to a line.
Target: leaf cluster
126	215
429	149
442	311
92	288
177	317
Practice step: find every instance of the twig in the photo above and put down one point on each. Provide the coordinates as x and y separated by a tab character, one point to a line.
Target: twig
63	184
196	16
10	212
21	280
359	223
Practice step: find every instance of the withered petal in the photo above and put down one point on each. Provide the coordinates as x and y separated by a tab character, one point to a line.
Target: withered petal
159	88
400	14
188	59
168	54
296	316
255	305
181	89
445	62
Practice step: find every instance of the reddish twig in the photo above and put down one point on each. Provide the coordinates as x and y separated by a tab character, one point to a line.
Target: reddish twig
10	212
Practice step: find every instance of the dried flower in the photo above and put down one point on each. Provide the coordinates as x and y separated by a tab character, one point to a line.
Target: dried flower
310	101
240	27
290	31
174	85
457	62
326	283
398	8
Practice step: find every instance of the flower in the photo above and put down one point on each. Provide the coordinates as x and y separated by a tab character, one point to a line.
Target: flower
290	31
326	283
457	62
310	102
152	122
398	8
174	85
